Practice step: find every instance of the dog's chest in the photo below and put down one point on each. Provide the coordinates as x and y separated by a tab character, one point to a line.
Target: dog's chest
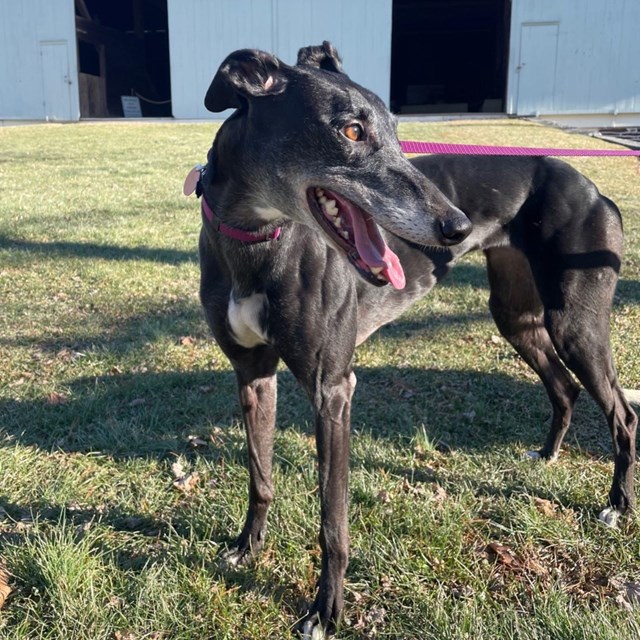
247	319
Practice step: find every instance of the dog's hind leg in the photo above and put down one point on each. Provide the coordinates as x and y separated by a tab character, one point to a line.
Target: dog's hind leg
256	373
519	315
579	329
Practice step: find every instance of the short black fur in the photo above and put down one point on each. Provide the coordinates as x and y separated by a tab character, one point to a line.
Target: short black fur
553	246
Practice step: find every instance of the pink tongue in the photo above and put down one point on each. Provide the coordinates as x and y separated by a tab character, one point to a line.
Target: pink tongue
393	271
373	249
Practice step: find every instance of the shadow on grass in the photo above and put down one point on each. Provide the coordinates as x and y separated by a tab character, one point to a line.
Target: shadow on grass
464	275
117	336
628	291
98	251
153	414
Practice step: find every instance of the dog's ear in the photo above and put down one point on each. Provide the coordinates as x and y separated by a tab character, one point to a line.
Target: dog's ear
323	57
245	74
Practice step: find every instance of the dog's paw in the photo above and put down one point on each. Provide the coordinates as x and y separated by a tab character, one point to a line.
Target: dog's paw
536	455
234	557
312	630
610	516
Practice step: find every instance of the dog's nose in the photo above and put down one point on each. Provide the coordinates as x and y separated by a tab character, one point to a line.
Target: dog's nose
455	229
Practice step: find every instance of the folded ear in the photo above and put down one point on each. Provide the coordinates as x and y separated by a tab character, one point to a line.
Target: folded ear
323	57
245	74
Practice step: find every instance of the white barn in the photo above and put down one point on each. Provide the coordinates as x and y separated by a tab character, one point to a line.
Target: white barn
561	59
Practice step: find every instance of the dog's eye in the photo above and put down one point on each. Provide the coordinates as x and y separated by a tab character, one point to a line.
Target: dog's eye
353	132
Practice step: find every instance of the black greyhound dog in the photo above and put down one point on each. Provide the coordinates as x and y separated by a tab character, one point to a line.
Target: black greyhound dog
297	181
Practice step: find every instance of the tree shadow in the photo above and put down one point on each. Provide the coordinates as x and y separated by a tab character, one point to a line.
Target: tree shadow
465	274
118	336
152	414
92	250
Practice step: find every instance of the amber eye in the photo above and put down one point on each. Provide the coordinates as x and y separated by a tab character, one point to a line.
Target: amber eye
353	132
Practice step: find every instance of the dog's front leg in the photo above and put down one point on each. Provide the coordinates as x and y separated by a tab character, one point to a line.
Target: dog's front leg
257	388
333	409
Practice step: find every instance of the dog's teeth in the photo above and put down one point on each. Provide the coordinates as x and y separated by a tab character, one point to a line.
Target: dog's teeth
337	221
345	234
376	270
322	200
330	205
319	192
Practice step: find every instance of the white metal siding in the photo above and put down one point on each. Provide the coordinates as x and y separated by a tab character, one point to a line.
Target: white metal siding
203	32
596	69
24	28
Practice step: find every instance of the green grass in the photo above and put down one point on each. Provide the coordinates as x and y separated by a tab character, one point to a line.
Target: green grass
107	370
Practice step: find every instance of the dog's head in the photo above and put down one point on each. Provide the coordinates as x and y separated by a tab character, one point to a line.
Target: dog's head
313	146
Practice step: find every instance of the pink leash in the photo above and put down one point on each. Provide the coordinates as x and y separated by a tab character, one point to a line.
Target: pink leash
408	146
413	146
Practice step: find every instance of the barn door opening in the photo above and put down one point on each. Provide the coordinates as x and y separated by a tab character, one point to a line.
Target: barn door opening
449	56
123	50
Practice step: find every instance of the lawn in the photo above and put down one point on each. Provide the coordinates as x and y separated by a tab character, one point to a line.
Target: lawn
111	390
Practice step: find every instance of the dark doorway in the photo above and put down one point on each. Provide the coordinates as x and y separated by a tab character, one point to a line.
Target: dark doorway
449	56
123	50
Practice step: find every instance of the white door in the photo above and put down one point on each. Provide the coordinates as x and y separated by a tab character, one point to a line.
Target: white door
56	81
537	68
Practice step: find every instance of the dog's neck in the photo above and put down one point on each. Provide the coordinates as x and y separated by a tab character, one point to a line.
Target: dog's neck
248	237
246	229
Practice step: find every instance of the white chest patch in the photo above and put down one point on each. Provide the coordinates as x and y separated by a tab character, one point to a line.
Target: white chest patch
245	319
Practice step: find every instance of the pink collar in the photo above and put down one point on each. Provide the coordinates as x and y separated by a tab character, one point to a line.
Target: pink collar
248	237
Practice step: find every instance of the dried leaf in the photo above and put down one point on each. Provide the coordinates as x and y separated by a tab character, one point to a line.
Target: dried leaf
187	341
215	435
502	554
187	483
623	602
439	494
370	620
386	583
56	398
137	402
462	592
5	589
197	441
545	507
178	470
633	593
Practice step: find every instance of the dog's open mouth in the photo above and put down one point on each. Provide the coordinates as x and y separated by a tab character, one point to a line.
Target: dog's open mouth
354	231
